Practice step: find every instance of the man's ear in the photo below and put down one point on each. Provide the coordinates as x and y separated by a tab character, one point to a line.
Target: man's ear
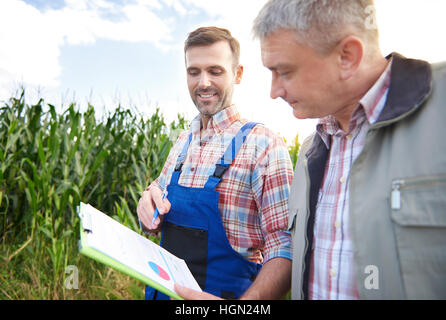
238	74
350	53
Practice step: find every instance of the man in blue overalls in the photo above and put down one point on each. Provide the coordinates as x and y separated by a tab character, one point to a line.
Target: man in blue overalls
222	195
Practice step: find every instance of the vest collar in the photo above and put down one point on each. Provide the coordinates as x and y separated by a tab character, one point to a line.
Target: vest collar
410	84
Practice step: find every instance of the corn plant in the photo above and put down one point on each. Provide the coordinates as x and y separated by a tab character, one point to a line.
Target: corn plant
293	150
50	162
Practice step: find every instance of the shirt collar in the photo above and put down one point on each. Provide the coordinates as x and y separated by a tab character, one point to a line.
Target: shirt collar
219	121
374	100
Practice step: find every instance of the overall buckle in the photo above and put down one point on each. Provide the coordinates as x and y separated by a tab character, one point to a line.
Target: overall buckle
178	167
220	170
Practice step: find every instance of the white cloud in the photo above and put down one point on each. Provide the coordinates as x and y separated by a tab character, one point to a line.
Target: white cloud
140	25
179	8
77	4
103	4
29	44
150	3
31	39
84	24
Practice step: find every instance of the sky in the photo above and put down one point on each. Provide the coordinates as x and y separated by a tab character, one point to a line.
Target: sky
130	52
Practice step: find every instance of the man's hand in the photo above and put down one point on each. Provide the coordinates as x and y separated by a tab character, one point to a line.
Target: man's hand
190	294
150	200
272	282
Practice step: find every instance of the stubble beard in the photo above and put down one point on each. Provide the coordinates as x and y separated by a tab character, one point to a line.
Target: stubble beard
206	109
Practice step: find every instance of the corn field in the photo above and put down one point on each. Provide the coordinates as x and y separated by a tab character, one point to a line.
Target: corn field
51	162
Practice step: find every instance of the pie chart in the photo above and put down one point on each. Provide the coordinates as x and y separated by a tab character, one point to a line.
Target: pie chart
159	271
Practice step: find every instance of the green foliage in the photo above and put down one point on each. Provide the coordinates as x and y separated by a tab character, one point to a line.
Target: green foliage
293	149
49	163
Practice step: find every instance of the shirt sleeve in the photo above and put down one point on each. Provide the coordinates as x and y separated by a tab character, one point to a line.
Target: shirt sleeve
271	182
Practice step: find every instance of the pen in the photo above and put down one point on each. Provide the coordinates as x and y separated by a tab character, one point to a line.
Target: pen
157	213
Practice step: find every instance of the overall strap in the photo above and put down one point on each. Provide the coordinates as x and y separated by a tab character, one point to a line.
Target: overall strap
229	155
180	161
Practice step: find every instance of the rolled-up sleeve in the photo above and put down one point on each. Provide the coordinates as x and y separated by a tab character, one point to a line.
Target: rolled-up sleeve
271	182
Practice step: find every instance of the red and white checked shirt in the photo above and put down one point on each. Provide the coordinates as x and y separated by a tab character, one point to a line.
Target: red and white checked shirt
331	269
254	190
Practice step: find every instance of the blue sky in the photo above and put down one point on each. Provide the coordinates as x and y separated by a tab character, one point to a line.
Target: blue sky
131	52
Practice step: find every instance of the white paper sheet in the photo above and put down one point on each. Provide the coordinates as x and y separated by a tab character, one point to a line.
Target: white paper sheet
135	251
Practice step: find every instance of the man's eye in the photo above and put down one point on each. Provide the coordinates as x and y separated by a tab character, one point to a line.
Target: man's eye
216	72
284	74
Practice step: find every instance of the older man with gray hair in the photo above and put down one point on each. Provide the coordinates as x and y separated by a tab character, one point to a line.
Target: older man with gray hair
368	200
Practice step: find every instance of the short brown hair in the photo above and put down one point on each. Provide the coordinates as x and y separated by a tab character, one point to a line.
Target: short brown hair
206	36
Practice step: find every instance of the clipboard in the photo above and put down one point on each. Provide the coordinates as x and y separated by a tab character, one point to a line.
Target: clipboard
107	241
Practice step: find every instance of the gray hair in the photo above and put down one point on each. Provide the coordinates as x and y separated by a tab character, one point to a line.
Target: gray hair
320	24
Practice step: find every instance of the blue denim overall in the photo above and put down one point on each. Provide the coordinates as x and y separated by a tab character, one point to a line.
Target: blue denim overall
193	231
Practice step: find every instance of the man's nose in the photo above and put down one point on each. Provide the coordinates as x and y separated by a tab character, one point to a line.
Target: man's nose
204	81
277	90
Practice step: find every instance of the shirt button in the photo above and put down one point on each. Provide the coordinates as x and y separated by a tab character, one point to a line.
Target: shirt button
342	180
332	273
337	224
349	137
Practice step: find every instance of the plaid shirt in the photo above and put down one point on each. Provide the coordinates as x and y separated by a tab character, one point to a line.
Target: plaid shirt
331	270
254	191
